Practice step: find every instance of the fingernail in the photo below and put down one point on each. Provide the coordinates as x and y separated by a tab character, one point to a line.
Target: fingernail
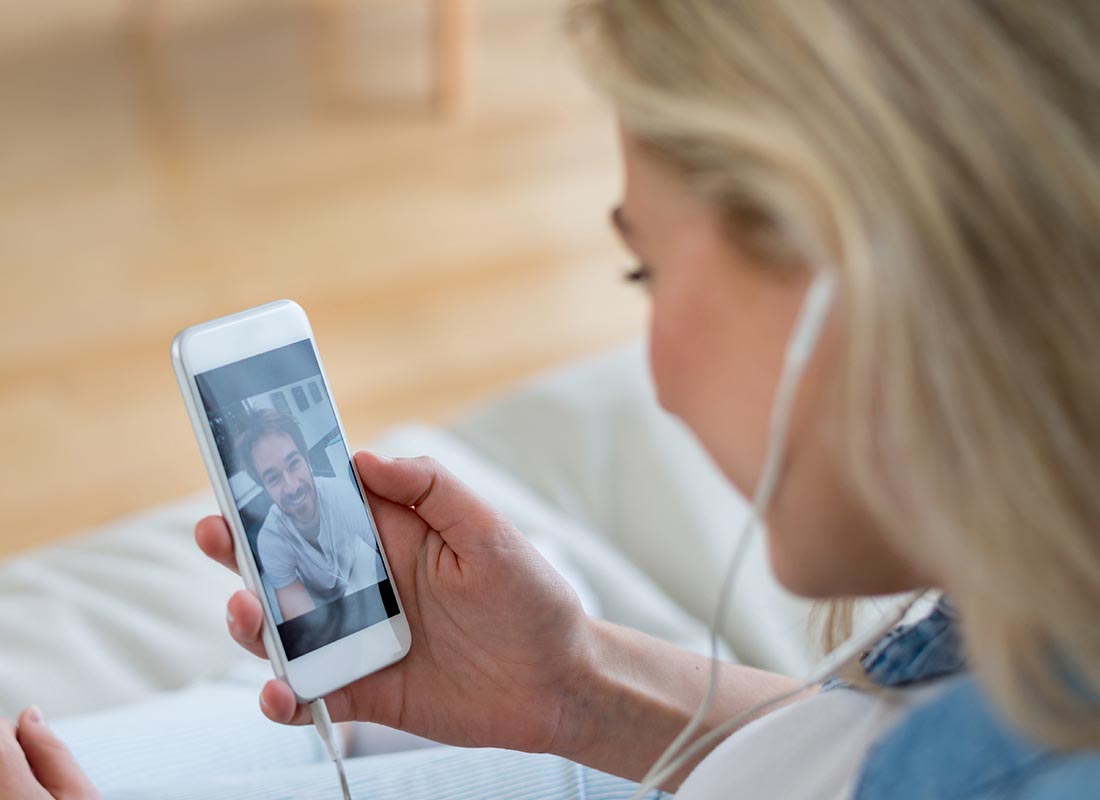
383	458
229	616
34	714
263	703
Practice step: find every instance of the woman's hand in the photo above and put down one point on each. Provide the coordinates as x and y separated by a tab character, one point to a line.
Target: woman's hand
499	639
36	765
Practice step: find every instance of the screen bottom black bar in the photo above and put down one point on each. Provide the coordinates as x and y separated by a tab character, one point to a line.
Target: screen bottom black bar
333	621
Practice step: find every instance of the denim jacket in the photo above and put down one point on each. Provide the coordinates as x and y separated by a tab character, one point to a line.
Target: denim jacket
957	746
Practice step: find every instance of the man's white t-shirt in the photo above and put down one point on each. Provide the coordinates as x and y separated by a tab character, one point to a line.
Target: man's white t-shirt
348	559
812	749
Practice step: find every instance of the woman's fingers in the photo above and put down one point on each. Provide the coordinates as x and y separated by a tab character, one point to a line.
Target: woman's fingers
279	704
49	758
213	538
245	617
442	500
16	777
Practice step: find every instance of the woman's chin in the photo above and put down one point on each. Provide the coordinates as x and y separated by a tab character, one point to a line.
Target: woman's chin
804	576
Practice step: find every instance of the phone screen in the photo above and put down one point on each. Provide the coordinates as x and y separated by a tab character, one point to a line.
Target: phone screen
294	486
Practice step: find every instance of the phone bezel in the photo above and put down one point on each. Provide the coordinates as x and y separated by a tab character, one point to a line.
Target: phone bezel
226	340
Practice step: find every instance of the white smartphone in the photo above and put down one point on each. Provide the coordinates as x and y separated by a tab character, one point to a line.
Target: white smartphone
304	537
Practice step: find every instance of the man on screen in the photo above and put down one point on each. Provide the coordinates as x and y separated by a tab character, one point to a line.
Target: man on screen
315	544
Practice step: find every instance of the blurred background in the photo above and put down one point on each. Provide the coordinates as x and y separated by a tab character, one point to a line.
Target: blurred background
430	179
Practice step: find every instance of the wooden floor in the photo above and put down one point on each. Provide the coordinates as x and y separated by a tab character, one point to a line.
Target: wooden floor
143	191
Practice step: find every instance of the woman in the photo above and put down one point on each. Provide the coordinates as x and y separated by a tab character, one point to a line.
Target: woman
941	160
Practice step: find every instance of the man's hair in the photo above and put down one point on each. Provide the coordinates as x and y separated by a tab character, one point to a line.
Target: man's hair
266	422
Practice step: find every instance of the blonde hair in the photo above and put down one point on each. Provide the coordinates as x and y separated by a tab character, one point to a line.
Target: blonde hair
943	158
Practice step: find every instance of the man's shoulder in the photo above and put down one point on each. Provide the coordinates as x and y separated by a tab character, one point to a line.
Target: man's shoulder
272	529
339	489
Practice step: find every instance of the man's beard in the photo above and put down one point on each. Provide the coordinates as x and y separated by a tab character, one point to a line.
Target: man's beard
300	505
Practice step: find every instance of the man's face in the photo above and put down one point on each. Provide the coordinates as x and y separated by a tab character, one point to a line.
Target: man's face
287	478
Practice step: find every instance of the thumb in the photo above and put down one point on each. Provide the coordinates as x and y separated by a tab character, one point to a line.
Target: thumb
437	496
50	759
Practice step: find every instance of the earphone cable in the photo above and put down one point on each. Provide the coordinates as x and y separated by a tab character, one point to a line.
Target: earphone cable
323	722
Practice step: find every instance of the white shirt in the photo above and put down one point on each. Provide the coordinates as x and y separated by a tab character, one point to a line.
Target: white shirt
348	559
811	749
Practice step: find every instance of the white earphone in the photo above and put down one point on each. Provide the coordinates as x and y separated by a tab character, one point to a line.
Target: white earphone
800	348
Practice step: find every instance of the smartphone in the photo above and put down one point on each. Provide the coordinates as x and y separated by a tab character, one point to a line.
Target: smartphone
303	534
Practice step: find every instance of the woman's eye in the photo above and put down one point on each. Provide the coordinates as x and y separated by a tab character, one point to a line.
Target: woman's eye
638	274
